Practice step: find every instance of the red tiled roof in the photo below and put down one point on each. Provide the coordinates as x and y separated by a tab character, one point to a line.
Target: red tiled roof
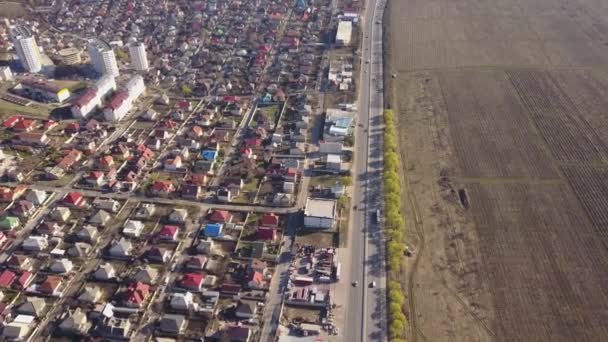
12	120
73	198
7	278
118	99
50	284
137	292
269	219
165	186
86	97
24	279
168	231
221	216
192	280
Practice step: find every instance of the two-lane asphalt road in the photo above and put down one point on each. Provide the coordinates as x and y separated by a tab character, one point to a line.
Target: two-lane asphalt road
366	318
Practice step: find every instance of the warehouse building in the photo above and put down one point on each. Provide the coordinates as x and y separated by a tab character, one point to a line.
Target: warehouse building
344	33
42	91
320	213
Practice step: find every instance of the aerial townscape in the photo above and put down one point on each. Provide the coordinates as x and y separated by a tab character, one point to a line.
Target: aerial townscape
190	171
303	170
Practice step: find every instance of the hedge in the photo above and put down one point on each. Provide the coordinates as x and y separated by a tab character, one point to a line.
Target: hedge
395	228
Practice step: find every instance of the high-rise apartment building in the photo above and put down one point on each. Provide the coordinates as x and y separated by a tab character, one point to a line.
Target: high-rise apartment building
26	47
139	58
103	58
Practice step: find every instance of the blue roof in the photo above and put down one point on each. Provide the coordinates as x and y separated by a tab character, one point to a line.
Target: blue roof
213	229
209	154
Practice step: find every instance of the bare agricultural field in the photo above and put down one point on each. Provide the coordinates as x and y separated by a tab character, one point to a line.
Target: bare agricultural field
503	112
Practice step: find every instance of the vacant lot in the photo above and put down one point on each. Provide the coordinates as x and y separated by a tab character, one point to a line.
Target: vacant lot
502	108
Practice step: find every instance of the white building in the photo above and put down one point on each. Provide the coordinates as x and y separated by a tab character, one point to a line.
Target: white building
102	57
139	57
320	213
92	98
26	47
344	33
122	101
6	74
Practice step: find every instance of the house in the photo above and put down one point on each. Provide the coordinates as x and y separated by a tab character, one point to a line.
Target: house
209	155
204	245
35	243
191	191
69	159
33	306
213	230
269	220
105	162
266	233
24	280
19	262
101	218
115	328
105	272
146	275
158	254
172	324
255	280
25	125
220	216
90	294
136	294
12	121
245	309
178	216
7	278
11	194
23	208
238	334
120	248
80	250
37	197
32	139
196	262
224	194
209	303
3	239
133	228
61	266
52	228
145	211
88	234
95	178
320	213
168	233
61	214
107	204
204	166
199	179
195	132
9	222
192	282
74	199
75	323
182	301
162	188
19	328
51	286
173	164
258	265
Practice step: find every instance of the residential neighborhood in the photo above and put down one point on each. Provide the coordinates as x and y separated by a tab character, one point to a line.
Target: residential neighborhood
177	170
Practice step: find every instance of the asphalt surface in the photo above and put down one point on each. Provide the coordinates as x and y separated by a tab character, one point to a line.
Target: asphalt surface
366	318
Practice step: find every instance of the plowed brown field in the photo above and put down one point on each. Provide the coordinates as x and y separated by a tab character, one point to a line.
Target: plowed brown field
508	102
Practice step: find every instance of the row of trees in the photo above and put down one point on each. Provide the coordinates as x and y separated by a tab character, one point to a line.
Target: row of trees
394	227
